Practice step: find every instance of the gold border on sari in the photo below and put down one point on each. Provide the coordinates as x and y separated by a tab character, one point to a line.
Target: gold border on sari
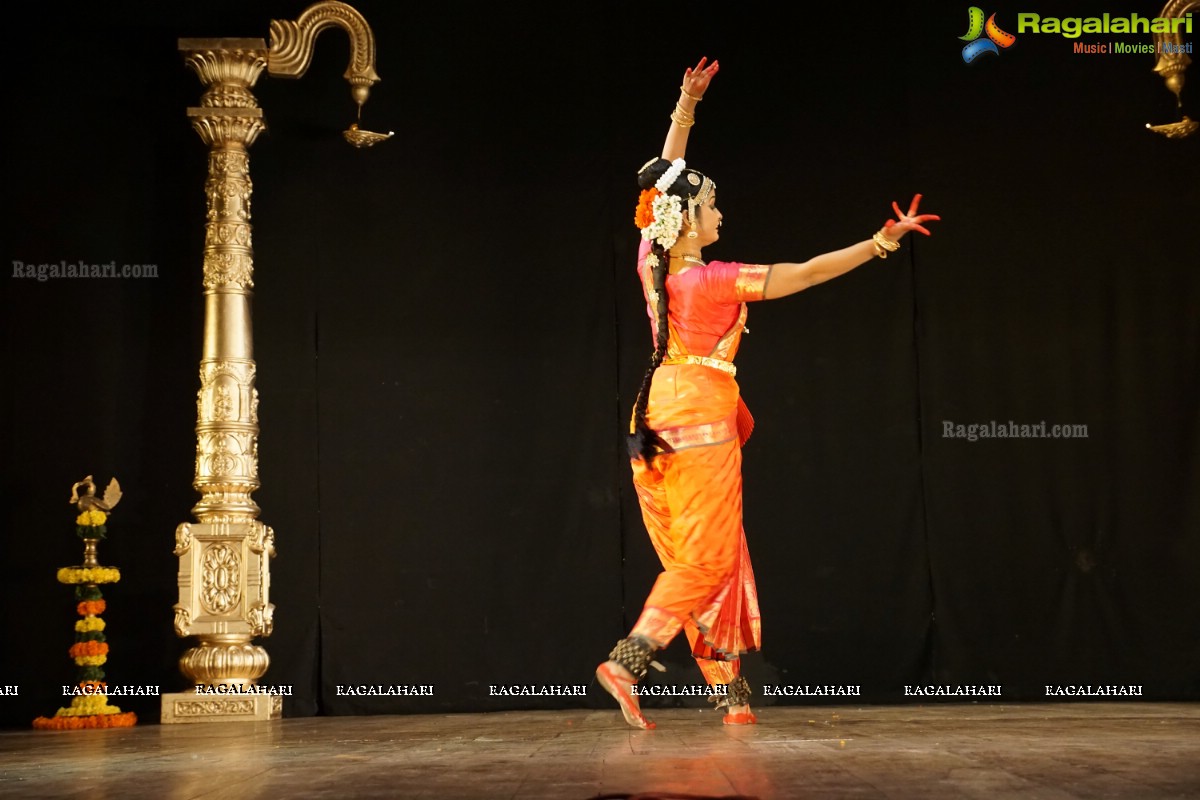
728	343
752	280
709	433
704	361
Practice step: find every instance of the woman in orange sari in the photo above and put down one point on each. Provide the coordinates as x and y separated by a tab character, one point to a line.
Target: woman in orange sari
689	422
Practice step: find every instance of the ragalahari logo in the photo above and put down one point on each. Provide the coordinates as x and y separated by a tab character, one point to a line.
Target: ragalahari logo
976	27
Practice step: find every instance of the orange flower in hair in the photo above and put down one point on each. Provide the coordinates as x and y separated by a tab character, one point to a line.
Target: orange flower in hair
645	214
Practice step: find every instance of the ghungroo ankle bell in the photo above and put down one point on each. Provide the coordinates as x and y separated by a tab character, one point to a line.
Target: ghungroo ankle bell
634	654
737	693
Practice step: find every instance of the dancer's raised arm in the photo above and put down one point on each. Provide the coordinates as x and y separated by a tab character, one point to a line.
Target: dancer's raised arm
691	91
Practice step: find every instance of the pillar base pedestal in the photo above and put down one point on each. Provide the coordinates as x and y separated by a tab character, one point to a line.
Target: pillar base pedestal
182	707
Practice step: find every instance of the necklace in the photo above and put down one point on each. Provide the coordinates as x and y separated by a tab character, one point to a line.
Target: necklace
691	259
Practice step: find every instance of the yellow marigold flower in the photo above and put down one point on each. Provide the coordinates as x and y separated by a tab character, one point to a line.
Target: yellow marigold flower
89	704
89	575
90	661
91	519
89	711
105	575
89	624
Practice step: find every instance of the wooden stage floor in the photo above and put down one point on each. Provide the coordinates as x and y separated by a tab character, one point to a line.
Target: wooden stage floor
1140	751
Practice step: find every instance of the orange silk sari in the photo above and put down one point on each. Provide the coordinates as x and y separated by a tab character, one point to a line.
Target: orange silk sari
691	498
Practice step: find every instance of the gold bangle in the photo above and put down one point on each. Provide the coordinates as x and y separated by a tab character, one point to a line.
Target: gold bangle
688	94
682	118
885	244
879	251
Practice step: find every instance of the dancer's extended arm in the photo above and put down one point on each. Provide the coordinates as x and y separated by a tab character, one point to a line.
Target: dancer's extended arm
789	278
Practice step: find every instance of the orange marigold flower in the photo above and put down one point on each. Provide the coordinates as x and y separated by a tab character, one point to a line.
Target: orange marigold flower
57	723
90	608
83	649
123	720
645	214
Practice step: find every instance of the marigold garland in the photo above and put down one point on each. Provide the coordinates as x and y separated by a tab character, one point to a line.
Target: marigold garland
90	608
89	575
90	525
81	649
91	518
87	704
89	623
124	720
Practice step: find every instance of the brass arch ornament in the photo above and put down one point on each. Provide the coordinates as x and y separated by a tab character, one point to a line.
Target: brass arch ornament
224	556
1172	63
291	51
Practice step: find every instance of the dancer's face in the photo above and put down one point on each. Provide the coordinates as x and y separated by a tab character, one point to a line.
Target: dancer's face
708	221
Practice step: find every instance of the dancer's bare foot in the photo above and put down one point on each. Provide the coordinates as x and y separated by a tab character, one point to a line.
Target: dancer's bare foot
739	715
619	682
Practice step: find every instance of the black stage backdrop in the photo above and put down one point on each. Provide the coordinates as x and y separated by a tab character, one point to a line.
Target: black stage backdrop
450	336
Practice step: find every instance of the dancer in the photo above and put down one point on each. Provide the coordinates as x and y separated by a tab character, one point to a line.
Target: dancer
689	422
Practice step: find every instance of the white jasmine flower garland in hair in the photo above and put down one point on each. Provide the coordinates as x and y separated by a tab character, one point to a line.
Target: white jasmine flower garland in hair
671	175
668	219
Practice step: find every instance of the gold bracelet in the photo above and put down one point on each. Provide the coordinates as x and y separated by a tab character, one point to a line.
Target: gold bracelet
682	118
686	93
884	245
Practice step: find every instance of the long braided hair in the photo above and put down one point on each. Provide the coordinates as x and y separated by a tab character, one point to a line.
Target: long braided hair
643	442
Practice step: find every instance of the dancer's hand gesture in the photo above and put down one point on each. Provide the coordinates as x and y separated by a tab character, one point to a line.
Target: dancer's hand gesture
894	229
697	78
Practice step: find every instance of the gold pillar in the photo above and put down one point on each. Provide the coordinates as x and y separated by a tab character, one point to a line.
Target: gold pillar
224	557
224	573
